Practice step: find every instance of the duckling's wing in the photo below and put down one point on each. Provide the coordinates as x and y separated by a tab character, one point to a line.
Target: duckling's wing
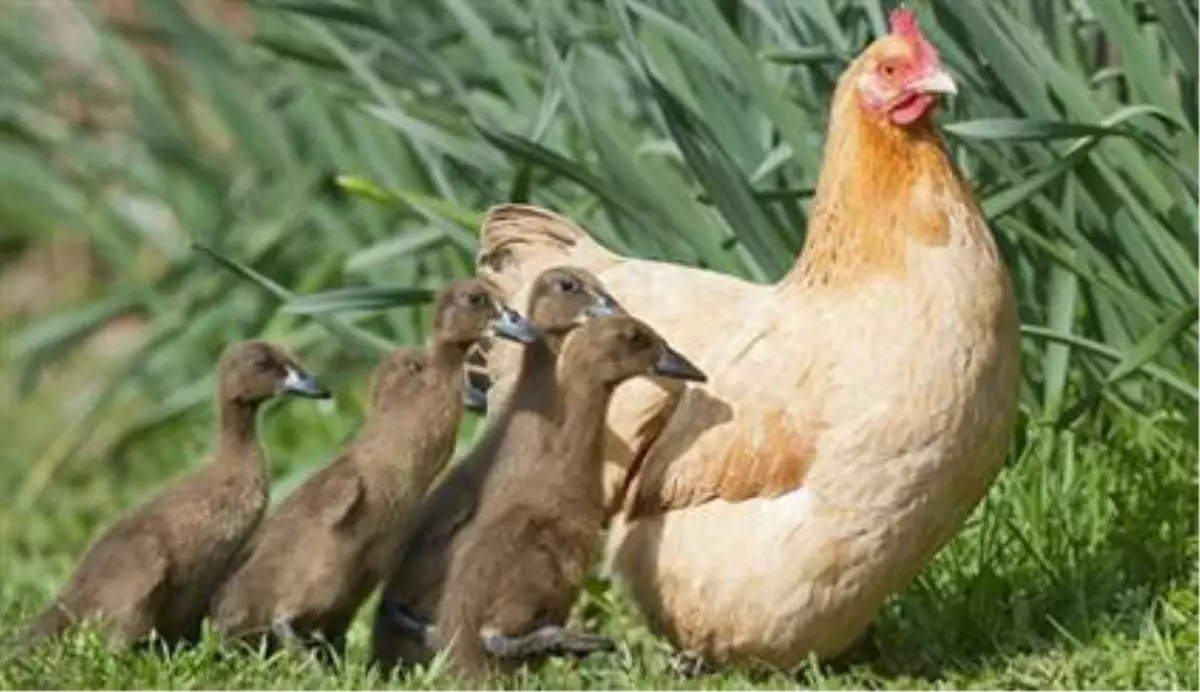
343	500
122	579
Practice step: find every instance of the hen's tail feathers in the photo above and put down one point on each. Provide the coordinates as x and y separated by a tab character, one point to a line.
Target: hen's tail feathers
518	241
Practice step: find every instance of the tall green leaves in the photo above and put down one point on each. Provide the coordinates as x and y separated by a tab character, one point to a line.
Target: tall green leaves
357	143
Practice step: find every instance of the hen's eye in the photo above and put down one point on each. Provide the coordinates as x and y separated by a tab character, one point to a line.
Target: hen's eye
888	70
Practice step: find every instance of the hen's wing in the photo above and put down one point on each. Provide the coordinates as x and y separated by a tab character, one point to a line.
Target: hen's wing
694	309
753	429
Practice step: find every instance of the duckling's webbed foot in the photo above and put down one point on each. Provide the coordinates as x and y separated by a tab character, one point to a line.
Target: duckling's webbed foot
407	624
546	641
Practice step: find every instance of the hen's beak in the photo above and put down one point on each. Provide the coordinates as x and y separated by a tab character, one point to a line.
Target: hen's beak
511	325
937	82
672	364
302	384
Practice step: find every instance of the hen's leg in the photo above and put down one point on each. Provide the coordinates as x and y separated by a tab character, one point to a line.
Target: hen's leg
862	650
551	640
689	664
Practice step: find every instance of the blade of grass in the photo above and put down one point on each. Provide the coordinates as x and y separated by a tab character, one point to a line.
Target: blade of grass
352	336
369	298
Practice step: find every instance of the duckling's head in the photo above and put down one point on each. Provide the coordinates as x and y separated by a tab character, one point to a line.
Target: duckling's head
251	372
398	378
561	298
469	310
617	348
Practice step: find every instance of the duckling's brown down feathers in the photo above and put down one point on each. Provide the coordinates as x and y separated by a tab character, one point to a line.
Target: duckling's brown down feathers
519	427
523	557
329	544
154	569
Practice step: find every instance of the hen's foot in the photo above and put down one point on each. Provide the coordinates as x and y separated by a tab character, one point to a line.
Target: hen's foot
689	664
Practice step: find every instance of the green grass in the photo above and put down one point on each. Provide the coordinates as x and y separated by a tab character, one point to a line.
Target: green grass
1078	572
356	143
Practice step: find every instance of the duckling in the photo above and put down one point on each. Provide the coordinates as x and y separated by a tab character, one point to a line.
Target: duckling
154	570
559	299
322	552
523	556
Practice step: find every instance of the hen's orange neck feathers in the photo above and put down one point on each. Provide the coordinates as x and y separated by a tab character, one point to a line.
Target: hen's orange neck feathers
882	185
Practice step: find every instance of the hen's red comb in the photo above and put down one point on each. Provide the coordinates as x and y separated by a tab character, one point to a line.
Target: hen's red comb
904	24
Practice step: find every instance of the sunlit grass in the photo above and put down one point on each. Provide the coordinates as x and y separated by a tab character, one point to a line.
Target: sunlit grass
356	144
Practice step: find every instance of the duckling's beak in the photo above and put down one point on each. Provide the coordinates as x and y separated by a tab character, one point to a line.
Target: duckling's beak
475	386
672	364
603	306
303	384
511	325
474	398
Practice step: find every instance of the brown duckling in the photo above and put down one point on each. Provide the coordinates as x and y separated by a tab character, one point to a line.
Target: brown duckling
559	299
155	569
522	558
322	552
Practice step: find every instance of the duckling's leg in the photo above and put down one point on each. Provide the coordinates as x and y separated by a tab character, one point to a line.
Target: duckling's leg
130	627
331	652
551	640
286	635
338	645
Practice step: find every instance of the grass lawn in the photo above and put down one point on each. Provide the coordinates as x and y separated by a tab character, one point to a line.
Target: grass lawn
332	145
1079	572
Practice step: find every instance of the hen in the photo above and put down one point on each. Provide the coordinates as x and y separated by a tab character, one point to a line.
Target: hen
856	412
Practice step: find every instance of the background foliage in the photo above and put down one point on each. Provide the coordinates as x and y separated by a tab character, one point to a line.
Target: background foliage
356	144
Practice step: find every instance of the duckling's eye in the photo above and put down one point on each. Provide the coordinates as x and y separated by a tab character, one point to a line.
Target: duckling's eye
636	338
475	299
415	366
265	363
568	285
